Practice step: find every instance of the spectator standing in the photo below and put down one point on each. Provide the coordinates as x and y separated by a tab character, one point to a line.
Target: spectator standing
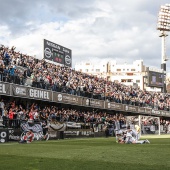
5	117
6	74
11	117
1	72
22	115
31	115
2	105
43	115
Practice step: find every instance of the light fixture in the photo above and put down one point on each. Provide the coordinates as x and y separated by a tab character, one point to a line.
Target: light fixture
163	25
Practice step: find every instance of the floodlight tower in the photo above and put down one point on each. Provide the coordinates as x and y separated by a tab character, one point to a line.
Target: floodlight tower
163	26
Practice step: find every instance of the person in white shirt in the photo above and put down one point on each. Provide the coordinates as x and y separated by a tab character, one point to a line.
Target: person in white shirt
127	138
2	105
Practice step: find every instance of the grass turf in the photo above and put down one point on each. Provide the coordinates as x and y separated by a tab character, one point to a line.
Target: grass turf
88	154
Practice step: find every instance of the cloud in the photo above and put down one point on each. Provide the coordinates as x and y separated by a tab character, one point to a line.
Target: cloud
123	30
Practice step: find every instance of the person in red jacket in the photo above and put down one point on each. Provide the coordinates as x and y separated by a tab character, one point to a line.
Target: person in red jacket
11	117
31	115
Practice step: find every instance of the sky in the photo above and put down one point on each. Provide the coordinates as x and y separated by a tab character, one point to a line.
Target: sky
121	30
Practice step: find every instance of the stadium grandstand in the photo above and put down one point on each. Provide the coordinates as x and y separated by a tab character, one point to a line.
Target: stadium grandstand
22	69
33	89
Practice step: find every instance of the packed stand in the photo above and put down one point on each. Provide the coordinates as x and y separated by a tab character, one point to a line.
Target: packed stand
13	114
18	68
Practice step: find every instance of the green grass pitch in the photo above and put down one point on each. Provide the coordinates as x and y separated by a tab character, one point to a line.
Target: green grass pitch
86	154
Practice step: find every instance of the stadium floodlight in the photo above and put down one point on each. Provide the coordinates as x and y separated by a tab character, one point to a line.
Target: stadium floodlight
163	25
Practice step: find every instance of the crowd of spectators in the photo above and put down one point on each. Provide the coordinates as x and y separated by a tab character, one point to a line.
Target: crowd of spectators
13	114
149	123
18	68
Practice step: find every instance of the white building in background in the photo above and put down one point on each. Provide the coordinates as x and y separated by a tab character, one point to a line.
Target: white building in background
129	74
99	69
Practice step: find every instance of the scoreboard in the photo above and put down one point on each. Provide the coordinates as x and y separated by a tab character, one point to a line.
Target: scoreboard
155	78
57	53
58	56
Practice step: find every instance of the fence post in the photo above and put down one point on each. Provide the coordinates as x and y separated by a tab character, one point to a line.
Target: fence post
159	125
